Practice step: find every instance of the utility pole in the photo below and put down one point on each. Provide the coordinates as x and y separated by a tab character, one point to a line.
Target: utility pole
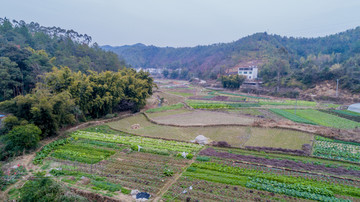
337	87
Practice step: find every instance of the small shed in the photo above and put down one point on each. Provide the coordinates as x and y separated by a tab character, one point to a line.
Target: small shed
354	107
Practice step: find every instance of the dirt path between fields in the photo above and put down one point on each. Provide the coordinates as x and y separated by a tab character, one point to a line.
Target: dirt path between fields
168	184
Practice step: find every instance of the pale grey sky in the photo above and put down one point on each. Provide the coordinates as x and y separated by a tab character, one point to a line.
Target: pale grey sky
180	23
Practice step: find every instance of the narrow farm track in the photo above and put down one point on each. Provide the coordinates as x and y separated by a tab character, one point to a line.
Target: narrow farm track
168	184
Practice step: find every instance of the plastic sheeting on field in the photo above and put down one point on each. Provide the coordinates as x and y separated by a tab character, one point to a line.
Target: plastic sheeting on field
354	107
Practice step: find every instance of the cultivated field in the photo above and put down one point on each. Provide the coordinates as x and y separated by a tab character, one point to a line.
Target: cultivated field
112	163
237	136
243	163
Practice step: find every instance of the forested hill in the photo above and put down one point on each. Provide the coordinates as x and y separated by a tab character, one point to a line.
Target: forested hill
28	50
303	61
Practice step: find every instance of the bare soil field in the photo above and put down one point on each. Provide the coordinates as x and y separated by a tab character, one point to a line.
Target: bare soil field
201	117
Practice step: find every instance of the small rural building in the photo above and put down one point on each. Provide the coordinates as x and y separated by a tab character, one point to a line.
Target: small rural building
250	72
354	107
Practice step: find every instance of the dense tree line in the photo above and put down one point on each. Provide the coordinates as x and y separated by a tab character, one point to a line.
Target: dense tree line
65	97
232	81
30	50
41	98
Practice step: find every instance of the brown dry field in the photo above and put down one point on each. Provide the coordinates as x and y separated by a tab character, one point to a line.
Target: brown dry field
201	117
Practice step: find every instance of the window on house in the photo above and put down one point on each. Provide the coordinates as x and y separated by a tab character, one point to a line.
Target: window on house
249	77
240	72
245	72
250	72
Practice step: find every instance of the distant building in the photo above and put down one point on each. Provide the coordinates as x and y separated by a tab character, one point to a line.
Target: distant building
250	72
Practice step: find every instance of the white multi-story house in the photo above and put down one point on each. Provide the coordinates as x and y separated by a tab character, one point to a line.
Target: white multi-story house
250	72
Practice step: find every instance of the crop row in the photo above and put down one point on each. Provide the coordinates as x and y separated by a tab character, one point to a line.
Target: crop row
347	112
165	108
248	96
344	114
239	176
47	149
297	190
159	144
143	171
291	116
319	138
206	105
82	153
337	151
325	119
282	163
289	102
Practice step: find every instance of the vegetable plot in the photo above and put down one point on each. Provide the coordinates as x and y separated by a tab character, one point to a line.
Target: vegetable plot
291	116
218	173
289	102
165	108
84	153
328	148
219	105
325	119
149	143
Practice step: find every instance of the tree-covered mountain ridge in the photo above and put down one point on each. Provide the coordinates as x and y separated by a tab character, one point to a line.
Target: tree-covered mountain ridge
29	50
303	61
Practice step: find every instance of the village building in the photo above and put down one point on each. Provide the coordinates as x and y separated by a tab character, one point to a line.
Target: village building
250	72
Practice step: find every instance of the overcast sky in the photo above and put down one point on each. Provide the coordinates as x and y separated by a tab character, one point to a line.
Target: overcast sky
182	23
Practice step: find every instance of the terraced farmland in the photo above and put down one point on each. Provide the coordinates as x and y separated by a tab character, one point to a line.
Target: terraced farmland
222	179
237	136
116	163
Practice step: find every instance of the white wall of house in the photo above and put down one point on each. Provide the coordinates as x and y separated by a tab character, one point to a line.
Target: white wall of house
250	72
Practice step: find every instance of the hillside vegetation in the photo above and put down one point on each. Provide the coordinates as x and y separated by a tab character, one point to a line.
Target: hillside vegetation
51	78
29	50
286	61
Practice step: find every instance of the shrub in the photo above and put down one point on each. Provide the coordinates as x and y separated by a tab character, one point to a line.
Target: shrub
109	116
203	158
43	188
22	138
168	172
189	156
8	123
